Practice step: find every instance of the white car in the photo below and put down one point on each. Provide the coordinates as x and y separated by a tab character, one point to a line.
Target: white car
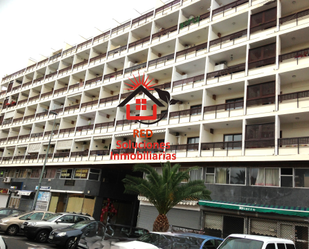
2	243
133	245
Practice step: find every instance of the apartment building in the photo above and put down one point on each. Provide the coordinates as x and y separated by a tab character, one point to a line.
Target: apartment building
239	70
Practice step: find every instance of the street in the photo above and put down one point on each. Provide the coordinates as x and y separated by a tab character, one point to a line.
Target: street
21	242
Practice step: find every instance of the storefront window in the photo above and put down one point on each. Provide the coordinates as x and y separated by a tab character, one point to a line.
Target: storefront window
301	178
94	174
66	174
81	174
21	173
230	175
264	176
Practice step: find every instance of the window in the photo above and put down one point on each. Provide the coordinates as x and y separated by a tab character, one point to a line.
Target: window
94	174
286	177
182	170
21	173
193	140
10	173
301	178
280	246
81	174
210	175
234	140
232	104
260	131
50	173
263	17
25	216
261	94
66	174
230	176
35	173
141	104
264	176
36	216
271	246
66	219
79	218
195	109
47	216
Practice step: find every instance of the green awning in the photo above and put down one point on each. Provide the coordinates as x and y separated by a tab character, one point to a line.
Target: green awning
285	210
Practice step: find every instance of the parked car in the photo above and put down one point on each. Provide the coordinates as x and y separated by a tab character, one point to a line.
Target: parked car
200	241
2	243
12	225
133	244
5	212
245	241
39	230
90	233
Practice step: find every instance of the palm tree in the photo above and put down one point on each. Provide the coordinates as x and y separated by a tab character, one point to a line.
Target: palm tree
165	191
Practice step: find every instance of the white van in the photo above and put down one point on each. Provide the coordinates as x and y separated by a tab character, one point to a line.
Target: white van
246	241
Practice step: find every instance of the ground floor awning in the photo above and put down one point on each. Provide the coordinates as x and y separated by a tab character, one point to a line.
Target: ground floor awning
285	210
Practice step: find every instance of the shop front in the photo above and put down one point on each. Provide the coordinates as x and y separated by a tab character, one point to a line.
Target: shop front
223	218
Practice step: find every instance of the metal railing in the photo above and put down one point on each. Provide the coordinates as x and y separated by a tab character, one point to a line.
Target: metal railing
99	152
263	26
121	27
186	147
29	117
230	70
105	125
47	94
161	60
192	49
164	32
188	112
84	44
141	41
84	128
225	107
265	143
295	54
167	6
80	64
90	103
72	107
294	95
229	37
63	89
137	67
143	17
66	69
263	62
294	16
102	36
54	57
100	56
76	86
117	50
50	75
261	101
97	79
67	130
34	98
69	51
293	142
112	75
188	80
38	80
109	99
229	6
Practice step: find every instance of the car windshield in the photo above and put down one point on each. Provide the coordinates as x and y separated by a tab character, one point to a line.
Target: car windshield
241	243
149	238
81	224
54	217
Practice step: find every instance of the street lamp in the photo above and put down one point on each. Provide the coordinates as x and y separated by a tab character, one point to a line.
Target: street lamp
44	164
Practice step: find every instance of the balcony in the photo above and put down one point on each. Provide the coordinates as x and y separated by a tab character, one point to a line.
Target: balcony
93	82
120	151
33	157
295	57
109	100
104	127
286	99
228	8
36	136
27	84
60	90
142	19
97	59
224	110
23	138
79	155
55	57
29	118
84	45
188	83
65	70
262	143
51	75
121	28
34	98
30	68
162	61
125	124
22	102
7	121
18	159
42	63
261	101
58	110
99	155
101	37
139	44
61	156
184	116
262	21
294	145
15	88
12	140
38	81
221	149
7	159
84	130
76	86
167	7
165	33
135	69
191	52
3	140
115	75
228	71
46	95
117	51
294	16
67	132
69	51
228	40
80	65
184	150
89	105
72	108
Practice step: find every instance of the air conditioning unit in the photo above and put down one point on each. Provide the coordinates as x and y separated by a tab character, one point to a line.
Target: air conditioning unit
7	179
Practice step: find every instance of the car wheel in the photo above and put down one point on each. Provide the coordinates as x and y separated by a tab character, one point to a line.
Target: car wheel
72	243
12	230
42	236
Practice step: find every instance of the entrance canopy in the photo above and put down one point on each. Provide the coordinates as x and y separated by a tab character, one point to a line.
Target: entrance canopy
285	210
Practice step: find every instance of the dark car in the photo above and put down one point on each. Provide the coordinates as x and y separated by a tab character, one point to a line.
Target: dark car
89	234
5	212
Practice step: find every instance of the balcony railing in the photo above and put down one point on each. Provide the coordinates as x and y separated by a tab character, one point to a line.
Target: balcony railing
41	63
85	127
293	142
22	101
69	51
188	112
164	86
42	156
97	79
229	6
167	6
34	98
225	106
27	136
99	152
188	80
33	156
84	44
15	88
79	153
134	68
121	27
117	50
204	16
100	56
54	57
76	86
67	130
27	84
28	117
294	16
110	99
296	54
105	125
80	64
3	140
30	68
186	147
7	121
294	95
50	75
12	138
43	95
229	70
120	151
221	145
113	75
72	107
139	42
90	103
263	26
61	90
228	37
47	133
102	36
58	110
161	60
164	32
124	122
61	154
261	101
192	49
64	70
143	17
265	143
38	134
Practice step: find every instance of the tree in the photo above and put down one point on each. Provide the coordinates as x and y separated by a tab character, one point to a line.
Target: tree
166	190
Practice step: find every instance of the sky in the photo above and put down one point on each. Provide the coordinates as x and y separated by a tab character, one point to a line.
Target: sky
36	28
